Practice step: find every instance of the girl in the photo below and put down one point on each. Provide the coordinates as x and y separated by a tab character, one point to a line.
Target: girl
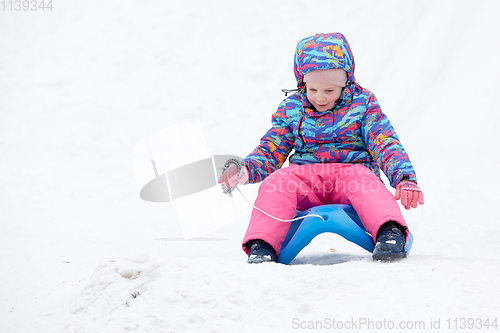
337	140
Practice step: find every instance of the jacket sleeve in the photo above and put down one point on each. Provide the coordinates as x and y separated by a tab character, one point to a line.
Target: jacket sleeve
274	148
384	145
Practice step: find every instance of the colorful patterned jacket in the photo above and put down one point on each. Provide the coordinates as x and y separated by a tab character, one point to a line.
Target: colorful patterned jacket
354	131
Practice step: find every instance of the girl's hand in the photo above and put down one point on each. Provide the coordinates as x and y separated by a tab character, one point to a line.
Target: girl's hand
230	175
409	193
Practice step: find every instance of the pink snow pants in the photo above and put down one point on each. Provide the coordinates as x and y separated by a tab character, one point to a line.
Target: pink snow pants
300	187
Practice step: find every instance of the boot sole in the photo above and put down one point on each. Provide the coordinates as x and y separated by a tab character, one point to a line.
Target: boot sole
259	259
389	257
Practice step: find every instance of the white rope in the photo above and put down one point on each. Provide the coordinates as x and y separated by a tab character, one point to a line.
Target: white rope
227	190
260	210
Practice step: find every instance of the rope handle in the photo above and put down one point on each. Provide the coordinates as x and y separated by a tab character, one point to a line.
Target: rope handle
226	166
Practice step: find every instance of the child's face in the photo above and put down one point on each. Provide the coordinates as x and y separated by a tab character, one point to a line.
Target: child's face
323	95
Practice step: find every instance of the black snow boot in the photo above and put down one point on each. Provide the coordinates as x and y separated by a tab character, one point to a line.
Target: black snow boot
260	252
390	244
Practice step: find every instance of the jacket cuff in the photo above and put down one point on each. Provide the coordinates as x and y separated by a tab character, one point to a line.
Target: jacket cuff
408	177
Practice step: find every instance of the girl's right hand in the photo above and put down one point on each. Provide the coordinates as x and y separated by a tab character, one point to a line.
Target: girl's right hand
230	175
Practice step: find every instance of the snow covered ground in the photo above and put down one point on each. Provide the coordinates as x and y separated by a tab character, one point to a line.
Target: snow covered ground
82	84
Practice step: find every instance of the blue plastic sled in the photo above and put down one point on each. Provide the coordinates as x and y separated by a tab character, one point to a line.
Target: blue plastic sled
339	219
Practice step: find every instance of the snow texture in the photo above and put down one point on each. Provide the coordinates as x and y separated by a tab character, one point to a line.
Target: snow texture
82	84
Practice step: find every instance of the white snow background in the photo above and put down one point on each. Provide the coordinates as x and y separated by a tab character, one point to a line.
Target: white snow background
82	84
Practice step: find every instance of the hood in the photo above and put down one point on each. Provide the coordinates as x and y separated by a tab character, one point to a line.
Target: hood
323	51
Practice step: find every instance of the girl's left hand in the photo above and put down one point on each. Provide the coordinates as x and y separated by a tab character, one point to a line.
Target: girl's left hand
409	193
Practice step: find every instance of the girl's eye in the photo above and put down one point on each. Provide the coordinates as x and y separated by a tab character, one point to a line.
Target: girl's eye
329	91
